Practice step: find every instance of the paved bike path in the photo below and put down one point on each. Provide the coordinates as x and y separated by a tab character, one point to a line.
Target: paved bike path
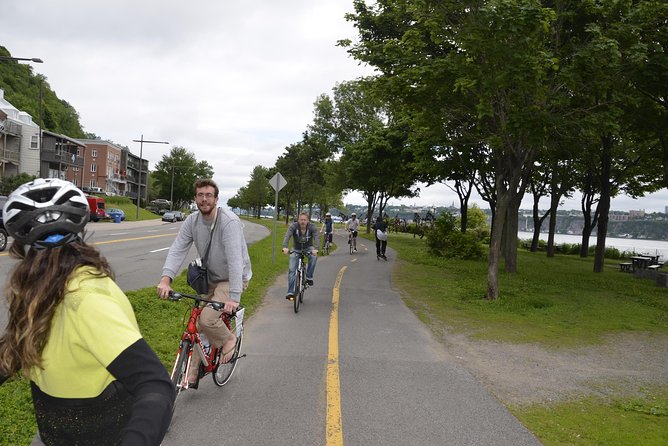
397	384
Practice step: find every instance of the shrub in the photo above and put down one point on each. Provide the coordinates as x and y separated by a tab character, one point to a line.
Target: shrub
444	240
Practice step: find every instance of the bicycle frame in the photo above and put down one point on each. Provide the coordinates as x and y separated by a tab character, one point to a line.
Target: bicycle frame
300	279
191	338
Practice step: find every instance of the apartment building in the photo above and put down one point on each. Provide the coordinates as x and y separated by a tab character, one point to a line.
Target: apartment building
103	167
19	141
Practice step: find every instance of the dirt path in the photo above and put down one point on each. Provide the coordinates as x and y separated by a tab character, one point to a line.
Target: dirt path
523	374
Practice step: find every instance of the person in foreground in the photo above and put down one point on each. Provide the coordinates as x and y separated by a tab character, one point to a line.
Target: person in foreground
219	238
72	331
305	238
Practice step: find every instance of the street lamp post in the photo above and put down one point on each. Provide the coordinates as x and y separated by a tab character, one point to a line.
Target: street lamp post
141	142
29	59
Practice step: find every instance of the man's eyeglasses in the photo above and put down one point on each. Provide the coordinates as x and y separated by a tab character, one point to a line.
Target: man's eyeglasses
201	195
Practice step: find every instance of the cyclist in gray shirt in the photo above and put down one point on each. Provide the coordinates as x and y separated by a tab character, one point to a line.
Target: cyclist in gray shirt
227	263
306	239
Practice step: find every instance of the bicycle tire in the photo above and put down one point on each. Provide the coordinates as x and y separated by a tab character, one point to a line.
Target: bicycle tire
299	289
179	373
223	372
350	245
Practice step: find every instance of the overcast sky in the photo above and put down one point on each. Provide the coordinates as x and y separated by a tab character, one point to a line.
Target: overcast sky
234	82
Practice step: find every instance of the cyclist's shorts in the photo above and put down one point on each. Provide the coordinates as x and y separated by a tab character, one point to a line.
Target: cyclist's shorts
354	233
328	237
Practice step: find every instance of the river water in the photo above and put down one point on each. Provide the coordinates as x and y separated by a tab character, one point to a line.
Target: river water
654	247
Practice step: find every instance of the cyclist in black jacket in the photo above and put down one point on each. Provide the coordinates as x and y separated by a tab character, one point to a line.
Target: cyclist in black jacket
72	331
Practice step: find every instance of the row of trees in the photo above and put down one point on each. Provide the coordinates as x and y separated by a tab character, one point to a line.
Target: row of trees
503	97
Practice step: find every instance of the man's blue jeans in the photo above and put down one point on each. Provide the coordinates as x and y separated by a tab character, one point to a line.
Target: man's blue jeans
294	258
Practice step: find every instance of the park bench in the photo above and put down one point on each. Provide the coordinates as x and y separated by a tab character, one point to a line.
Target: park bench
626	267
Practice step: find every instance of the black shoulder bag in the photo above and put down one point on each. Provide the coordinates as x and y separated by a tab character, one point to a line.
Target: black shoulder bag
198	277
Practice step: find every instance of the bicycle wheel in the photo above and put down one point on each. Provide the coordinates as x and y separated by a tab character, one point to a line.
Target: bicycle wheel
179	373
350	245
223	371
298	289
301	291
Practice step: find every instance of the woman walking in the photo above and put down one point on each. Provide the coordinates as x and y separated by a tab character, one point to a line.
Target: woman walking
380	231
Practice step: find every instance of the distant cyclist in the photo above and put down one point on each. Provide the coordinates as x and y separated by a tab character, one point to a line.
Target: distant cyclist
72	331
327	227
305	238
352	225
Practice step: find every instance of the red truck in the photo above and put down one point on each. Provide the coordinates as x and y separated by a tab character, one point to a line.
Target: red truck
96	205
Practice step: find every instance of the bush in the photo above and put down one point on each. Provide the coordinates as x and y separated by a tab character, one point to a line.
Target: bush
445	240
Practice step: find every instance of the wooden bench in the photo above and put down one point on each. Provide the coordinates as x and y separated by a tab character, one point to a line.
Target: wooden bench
626	267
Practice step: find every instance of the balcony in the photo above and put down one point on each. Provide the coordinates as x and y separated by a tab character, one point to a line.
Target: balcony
9	155
65	158
10	128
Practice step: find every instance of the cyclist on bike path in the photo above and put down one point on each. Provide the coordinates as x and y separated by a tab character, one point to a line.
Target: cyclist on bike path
72	332
228	263
352	225
327	227
305	238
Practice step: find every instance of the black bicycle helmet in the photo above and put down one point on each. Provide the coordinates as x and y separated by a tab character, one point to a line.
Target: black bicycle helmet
42	209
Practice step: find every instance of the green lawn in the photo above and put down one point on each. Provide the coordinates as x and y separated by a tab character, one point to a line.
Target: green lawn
556	302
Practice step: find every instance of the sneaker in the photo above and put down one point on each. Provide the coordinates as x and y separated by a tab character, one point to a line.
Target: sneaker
309	282
290	297
193	385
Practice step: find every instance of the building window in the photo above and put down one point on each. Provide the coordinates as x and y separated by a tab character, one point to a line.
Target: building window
94	153
33	142
93	167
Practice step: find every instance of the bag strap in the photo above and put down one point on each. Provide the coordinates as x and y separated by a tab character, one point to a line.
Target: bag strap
213	226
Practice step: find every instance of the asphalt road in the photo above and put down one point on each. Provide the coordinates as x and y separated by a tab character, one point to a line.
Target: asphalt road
397	385
135	250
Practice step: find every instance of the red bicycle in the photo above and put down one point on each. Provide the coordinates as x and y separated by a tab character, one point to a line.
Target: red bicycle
207	359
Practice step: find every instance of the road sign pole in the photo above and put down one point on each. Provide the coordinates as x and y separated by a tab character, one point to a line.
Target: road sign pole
273	246
277	182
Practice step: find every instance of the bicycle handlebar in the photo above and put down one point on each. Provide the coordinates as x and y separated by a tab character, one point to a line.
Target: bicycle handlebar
301	251
218	306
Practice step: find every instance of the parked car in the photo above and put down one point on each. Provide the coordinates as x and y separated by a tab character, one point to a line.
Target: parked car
169	216
3	231
179	215
112	212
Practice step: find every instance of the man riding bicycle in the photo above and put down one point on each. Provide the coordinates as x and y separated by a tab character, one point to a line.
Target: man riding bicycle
352	225
228	264
327	228
305	239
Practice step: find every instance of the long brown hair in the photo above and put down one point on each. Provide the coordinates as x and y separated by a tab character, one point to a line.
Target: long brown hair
35	288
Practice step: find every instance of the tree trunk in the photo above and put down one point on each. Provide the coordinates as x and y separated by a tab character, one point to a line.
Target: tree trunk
604	203
498	224
510	233
554	204
537	223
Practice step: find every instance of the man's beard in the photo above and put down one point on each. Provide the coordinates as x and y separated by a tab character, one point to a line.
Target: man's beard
207	213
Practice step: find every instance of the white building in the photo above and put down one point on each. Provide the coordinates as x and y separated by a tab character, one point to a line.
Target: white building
19	141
